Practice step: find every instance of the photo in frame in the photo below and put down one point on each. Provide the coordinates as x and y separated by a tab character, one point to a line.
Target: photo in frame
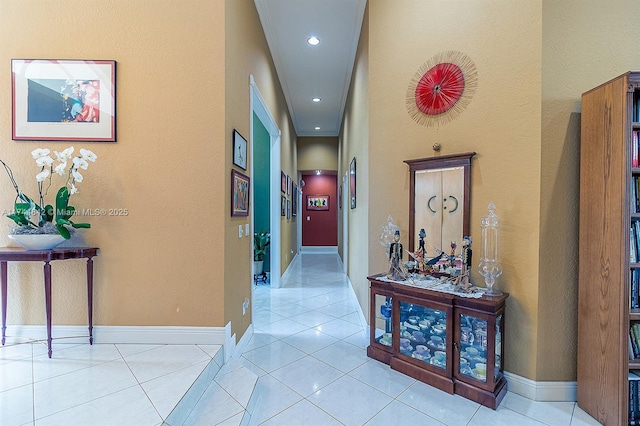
239	194
283	205
294	200
340	197
288	209
352	182
70	100
239	150
317	202
283	182
288	185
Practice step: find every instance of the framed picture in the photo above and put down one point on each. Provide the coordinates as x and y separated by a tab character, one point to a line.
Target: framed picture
288	185
283	205
317	202
340	197
69	100
283	182
239	194
294	200
352	182
239	150
288	209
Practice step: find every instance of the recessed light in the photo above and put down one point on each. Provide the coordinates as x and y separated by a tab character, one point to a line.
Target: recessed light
313	40
316	99
317	127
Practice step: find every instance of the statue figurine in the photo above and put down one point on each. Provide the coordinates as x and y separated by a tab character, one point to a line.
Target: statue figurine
395	259
462	282
452	256
422	252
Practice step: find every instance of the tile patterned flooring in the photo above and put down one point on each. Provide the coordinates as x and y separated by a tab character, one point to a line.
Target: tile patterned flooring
306	364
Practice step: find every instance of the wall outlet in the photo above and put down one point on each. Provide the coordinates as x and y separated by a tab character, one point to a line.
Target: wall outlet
245	305
239	231
246	229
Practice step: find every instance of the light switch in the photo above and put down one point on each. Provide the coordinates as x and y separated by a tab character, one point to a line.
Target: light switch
308	218
246	229
239	231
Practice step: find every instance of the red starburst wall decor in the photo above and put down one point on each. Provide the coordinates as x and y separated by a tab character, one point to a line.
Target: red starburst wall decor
441	89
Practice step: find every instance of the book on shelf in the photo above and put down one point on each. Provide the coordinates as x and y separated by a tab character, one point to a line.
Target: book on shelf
634	247
634	149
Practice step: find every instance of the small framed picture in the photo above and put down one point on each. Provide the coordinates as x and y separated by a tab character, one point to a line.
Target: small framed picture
70	100
283	206
352	183
239	150
288	185
294	200
317	202
239	194
283	182
288	209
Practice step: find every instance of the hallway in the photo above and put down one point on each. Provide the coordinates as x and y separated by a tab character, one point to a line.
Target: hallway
309	351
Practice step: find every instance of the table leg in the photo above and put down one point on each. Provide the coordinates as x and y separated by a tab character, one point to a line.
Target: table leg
3	279
90	297
47	301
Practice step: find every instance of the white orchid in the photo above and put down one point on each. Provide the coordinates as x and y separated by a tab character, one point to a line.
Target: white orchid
73	189
76	176
64	155
80	163
40	177
61	168
45	161
40	152
88	155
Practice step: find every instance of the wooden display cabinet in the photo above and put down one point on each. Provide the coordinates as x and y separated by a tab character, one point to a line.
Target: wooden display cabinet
450	342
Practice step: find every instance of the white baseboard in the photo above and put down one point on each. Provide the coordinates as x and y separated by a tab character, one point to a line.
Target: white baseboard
542	391
155	335
287	272
363	320
319	249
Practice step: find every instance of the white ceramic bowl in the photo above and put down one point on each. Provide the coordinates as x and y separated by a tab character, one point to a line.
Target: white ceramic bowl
37	241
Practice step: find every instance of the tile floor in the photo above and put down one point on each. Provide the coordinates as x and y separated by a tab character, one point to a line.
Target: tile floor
306	364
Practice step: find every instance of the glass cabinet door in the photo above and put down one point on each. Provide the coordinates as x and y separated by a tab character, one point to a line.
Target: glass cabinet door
423	334
473	347
383	322
498	367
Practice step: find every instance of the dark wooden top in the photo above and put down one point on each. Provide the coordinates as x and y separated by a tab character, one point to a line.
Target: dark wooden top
10	254
484	303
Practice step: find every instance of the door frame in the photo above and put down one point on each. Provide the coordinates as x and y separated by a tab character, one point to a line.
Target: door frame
259	107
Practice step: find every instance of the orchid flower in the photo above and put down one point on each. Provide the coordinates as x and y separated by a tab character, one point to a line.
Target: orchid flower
40	152
45	161
40	177
60	168
88	155
76	176
80	163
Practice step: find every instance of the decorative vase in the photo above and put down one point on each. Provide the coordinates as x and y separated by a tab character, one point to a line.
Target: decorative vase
37	241
257	267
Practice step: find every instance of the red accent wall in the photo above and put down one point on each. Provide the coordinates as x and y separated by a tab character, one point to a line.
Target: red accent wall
322	227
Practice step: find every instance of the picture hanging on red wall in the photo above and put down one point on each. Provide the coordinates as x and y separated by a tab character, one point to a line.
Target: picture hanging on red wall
317	202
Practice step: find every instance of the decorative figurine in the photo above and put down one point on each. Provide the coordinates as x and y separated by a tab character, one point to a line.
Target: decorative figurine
395	257
452	256
462	281
490	267
422	252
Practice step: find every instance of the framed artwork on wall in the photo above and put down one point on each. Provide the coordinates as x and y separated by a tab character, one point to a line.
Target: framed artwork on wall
239	150
317	202
239	194
352	182
340	197
283	182
288	185
294	200
70	100
283	205
288	209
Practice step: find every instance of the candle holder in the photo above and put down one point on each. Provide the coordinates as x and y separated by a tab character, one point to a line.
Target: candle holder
490	267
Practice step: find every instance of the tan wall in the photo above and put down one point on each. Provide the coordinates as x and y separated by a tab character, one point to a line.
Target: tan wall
164	263
317	153
584	44
501	124
247	54
354	142
155	265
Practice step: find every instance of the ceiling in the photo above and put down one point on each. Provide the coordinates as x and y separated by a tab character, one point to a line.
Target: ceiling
305	71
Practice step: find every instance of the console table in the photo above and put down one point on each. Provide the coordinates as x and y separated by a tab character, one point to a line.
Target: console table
12	254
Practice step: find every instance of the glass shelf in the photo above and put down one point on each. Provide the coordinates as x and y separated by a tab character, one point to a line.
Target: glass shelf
423	334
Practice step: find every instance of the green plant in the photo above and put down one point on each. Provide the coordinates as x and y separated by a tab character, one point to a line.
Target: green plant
261	241
37	218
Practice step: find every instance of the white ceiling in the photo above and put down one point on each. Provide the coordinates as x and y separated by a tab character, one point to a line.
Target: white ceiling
306	71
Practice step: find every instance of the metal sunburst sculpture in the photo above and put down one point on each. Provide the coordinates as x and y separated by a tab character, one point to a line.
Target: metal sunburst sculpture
441	88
